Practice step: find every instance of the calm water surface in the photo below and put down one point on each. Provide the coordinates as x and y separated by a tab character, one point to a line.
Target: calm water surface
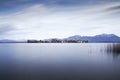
89	61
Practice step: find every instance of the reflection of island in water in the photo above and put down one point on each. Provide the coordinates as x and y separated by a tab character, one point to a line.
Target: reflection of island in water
113	48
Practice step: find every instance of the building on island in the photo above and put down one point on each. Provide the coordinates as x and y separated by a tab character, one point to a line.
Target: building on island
57	41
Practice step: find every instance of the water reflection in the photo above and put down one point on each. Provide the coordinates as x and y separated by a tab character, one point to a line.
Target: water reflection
59	61
113	49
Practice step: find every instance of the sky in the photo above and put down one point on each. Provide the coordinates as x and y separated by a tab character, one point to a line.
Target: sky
43	19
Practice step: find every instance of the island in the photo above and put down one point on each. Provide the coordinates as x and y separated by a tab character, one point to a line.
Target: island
57	41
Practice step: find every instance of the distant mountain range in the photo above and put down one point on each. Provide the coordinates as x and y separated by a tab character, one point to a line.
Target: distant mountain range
97	38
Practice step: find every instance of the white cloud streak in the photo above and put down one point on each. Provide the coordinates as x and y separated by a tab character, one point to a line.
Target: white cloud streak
40	21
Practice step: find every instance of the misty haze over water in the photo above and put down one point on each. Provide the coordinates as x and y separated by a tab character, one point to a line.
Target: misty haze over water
87	61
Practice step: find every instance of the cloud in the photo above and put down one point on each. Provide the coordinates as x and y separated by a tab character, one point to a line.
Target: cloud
4	29
41	21
115	8
13	4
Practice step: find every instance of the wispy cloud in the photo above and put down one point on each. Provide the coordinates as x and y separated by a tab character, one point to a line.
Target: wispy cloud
5	29
41	21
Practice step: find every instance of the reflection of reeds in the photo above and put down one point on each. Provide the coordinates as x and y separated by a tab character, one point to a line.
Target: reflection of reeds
113	48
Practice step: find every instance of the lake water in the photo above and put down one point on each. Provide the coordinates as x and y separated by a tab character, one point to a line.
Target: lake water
81	61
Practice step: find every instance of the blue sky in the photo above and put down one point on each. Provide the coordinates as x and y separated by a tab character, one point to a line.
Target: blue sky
42	19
